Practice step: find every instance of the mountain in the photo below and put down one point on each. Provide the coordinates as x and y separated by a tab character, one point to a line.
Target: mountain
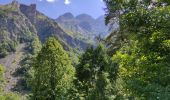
22	23
22	30
21	26
15	28
83	24
47	27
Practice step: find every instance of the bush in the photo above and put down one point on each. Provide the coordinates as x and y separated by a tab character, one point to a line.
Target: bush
10	96
6	47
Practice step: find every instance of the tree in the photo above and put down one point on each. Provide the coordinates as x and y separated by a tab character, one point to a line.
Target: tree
53	72
144	56
2	70
4	95
94	73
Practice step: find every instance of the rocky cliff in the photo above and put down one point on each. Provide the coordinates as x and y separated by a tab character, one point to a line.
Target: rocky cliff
22	23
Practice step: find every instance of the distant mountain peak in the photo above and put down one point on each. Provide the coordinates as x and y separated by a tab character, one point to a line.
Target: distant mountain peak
84	24
85	17
67	15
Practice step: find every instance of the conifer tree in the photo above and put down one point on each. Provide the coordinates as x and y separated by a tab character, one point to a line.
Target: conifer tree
53	72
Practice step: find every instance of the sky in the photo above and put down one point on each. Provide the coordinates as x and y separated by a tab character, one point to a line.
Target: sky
55	8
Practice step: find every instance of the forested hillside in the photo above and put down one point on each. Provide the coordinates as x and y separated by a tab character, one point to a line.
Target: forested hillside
43	60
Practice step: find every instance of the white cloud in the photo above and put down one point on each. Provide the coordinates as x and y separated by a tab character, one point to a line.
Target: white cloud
50	0
67	2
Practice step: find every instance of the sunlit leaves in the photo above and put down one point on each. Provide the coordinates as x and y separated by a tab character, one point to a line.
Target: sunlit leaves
144	57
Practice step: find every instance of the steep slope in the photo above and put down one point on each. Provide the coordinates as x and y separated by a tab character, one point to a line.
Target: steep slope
12	63
16	32
100	26
15	28
20	25
47	27
86	22
83	25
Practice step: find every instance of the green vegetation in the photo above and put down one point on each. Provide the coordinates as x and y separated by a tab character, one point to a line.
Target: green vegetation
32	48
6	96
41	17
53	76
138	68
95	75
53	73
10	96
5	9
143	59
1	77
6	47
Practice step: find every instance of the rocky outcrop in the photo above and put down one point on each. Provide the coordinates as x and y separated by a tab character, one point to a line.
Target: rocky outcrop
15	5
22	23
29	11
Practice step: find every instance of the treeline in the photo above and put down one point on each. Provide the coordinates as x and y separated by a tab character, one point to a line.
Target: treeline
54	77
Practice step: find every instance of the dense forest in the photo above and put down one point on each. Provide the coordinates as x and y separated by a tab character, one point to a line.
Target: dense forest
132	63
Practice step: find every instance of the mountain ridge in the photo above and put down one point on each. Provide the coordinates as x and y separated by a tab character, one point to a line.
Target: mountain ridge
84	24
37	24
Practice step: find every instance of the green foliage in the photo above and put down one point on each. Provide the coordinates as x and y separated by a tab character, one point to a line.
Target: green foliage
144	74
10	96
25	71
2	70
6	96
41	17
5	10
144	57
35	46
53	72
6	47
94	74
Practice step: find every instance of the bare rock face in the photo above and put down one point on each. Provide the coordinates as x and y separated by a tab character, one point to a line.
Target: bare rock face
29	11
15	4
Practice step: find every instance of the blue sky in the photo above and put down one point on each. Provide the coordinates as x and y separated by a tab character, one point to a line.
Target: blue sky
54	8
